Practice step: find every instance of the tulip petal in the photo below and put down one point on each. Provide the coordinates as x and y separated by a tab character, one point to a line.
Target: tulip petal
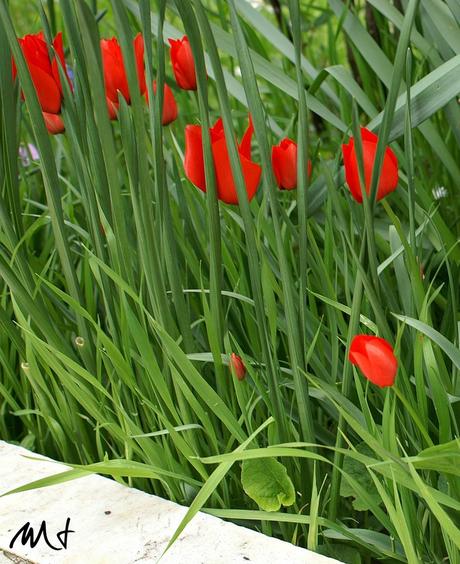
237	366
54	123
252	173
284	163
217	131
47	90
389	177
182	78
169	104
367	135
194	161
226	189
114	70
59	47
364	365
384	364
35	51
375	358
183	63
351	171
359	343
245	145
14	70
389	174
59	51
139	57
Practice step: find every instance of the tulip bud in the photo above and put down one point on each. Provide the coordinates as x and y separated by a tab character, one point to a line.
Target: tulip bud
375	358
44	72
169	113
54	123
194	161
237	366
183	63
389	173
115	78
284	163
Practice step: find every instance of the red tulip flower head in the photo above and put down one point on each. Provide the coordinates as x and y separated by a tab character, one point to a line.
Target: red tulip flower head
375	358
45	76
389	174
182	63
169	103
284	163
237	366
194	162
115	79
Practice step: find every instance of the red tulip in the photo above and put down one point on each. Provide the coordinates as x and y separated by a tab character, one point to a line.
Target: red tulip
389	174
376	359
194	162
169	106
54	123
169	103
115	79
45	76
182	63
284	163
237	366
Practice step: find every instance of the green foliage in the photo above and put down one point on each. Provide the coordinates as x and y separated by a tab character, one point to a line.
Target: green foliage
267	483
357	473
341	552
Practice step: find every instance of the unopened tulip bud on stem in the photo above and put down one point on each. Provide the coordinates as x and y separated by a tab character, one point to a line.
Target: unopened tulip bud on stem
389	174
237	366
183	63
284	163
375	358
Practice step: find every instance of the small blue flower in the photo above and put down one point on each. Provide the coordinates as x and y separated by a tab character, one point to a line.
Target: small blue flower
70	74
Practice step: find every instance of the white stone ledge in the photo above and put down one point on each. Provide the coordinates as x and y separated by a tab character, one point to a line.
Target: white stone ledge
114	524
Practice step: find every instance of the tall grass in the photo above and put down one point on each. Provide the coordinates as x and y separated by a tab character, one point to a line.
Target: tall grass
125	290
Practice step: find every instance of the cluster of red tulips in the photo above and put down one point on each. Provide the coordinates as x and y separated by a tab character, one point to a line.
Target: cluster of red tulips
373	355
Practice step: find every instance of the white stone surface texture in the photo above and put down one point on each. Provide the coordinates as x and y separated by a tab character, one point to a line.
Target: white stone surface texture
115	524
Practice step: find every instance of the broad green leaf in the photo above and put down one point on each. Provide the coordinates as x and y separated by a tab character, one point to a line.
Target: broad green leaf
266	481
360	474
